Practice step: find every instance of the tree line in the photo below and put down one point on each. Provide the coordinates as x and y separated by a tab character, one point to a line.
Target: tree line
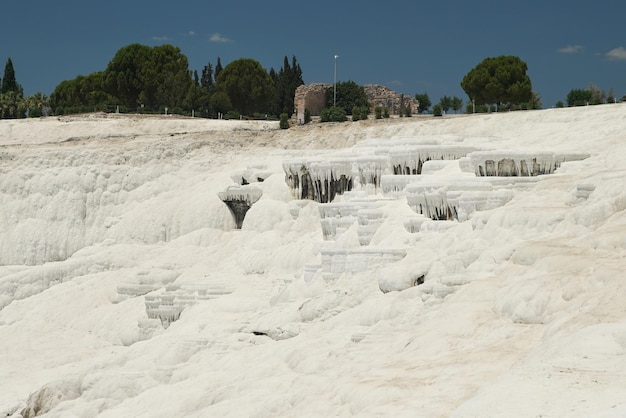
157	79
13	104
140	78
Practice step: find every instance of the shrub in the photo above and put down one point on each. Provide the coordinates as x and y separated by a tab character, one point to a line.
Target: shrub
378	111
356	114
35	112
437	110
307	116
333	114
365	111
284	121
386	113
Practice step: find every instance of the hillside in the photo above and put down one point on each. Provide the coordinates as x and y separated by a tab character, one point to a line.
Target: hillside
125	289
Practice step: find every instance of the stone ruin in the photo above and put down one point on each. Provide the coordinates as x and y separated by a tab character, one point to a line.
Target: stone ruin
382	96
313	97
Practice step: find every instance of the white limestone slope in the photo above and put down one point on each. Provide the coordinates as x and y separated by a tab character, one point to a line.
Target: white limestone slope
125	289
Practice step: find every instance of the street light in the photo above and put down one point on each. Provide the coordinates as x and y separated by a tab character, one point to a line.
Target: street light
335	83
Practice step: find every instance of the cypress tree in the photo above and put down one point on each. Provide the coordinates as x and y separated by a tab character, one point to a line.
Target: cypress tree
218	67
8	81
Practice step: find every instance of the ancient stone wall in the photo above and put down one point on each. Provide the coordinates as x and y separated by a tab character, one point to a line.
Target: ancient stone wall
313	97
384	97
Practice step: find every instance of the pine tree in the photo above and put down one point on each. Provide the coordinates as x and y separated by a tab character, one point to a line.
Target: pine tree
206	80
218	68
8	81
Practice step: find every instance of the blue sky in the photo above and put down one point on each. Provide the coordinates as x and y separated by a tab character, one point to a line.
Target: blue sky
409	46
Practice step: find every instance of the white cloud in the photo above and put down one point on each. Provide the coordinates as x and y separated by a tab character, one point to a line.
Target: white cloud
191	33
217	37
617	54
160	38
571	49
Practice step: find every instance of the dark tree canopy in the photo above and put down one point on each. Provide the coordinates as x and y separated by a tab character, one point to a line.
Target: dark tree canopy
286	81
424	101
9	83
157	76
349	96
499	80
248	86
150	79
579	97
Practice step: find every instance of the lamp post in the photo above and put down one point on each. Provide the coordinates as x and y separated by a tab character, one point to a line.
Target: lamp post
335	83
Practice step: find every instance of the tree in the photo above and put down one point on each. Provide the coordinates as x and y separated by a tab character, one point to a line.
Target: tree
349	95
9	82
446	103
247	85
220	103
437	110
284	121
286	81
82	94
125	75
333	114
457	104
218	68
598	96
424	101
166	78
499	80
151	76
578	97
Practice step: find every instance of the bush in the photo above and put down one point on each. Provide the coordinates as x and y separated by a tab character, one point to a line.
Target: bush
284	121
35	112
307	116
356	114
437	110
365	111
333	114
386	113
232	114
378	111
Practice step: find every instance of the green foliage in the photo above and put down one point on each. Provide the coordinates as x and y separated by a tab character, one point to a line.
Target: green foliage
386	112
456	104
333	114
356	114
407	111
349	95
220	102
578	97
559	104
284	121
360	113
378	111
598	96
286	81
437	109
307	116
247	85
82	94
424	101
445	103
35	113
498	80
9	82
